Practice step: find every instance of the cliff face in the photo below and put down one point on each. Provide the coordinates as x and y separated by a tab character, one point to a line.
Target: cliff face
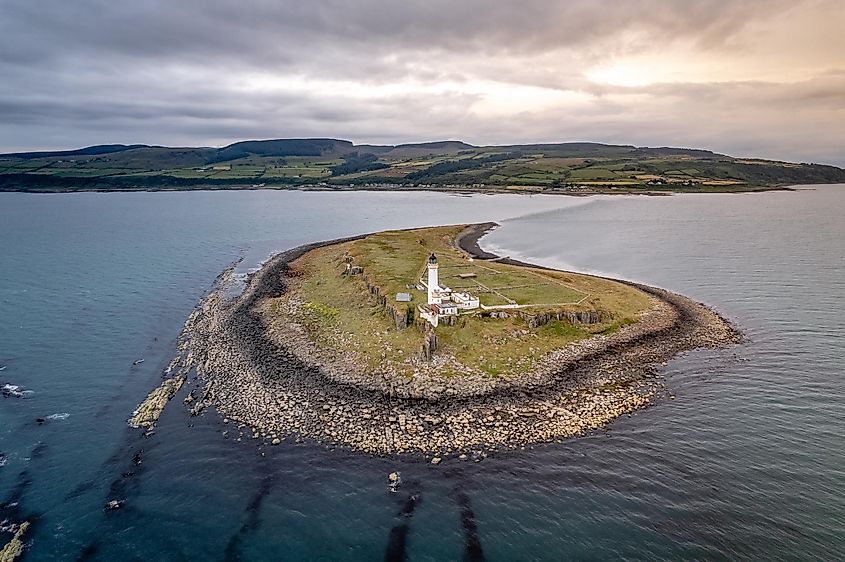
572	316
429	344
401	318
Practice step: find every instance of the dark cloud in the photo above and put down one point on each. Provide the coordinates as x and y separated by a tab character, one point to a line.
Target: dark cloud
205	72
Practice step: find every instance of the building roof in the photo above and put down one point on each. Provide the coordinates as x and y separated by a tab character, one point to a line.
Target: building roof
403	297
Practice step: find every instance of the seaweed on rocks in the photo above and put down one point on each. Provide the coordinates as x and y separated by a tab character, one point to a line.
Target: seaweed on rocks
14	548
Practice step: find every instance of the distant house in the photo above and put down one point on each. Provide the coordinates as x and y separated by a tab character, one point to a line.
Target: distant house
222	167
467	275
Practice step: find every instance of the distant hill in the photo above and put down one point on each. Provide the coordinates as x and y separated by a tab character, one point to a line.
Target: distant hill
439	148
88	151
284	147
572	167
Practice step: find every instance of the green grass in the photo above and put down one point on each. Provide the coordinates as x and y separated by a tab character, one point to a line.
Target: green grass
298	172
560	329
341	315
320	311
593	167
593	174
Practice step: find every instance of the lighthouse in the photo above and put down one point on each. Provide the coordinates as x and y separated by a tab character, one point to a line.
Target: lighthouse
433	281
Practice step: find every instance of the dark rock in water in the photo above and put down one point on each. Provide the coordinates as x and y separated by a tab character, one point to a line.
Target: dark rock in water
40	421
11	391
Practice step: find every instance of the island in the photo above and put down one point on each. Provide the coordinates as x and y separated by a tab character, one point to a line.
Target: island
417	341
569	168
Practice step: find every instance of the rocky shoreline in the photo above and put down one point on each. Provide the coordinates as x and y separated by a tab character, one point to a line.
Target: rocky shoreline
276	387
14	548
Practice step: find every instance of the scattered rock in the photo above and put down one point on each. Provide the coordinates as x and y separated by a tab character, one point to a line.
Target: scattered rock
12	391
393	481
112	505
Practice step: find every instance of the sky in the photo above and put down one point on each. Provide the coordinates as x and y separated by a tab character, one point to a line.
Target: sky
760	78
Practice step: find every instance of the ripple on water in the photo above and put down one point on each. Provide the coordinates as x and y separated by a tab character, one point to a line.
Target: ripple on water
745	463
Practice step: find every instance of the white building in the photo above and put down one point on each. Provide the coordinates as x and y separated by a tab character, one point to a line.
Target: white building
446	308
465	301
441	300
433	284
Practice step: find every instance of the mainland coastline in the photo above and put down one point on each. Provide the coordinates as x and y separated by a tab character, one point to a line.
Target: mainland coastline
276	385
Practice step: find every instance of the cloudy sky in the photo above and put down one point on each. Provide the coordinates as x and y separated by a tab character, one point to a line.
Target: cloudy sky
746	77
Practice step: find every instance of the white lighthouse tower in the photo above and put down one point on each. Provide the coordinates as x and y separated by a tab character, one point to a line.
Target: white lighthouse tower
433	281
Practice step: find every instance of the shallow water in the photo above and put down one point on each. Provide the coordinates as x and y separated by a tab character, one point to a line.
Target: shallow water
745	463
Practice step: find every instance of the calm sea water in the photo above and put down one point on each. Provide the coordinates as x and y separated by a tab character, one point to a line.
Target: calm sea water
746	463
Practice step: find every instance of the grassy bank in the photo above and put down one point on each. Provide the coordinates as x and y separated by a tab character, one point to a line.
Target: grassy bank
344	318
568	168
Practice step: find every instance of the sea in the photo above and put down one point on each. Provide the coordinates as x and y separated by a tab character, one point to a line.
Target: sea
743	459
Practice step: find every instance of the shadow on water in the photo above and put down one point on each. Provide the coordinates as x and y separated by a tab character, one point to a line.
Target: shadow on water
472	544
397	542
253	511
11	510
89	552
127	462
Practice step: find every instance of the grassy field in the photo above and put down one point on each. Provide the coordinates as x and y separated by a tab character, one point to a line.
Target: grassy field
329	163
340	313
